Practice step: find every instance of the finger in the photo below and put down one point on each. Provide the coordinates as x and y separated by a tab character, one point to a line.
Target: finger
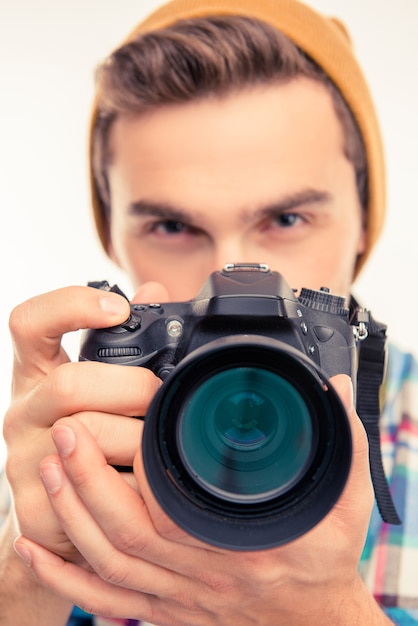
83	588
122	508
37	327
151	292
117	436
86	590
109	562
123	515
91	386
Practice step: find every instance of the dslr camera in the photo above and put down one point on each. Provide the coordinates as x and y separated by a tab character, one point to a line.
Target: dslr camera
246	445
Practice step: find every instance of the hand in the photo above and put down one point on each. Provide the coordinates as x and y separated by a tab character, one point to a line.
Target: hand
141	565
46	387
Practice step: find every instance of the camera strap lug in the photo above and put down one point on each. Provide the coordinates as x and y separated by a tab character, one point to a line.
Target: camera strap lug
360	324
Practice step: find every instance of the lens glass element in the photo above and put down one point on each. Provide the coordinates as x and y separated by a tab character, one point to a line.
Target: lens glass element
245	434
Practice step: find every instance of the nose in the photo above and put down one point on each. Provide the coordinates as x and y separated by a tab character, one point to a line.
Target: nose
231	249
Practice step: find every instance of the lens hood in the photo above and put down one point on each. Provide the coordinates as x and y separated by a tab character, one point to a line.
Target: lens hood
246	445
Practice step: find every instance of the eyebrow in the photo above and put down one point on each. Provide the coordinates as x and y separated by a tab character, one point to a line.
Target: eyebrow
165	211
305	197
159	209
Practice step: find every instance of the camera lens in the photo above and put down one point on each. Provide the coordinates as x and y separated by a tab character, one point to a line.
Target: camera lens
245	434
246	445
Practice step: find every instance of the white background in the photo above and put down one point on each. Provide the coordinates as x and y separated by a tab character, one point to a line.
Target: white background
48	52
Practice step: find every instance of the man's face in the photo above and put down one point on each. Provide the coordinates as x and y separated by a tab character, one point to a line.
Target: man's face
259	176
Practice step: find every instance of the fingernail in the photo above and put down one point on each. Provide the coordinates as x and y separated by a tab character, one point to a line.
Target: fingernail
23	552
64	439
113	304
51	475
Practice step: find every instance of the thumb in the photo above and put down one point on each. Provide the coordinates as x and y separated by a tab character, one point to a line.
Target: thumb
344	387
151	292
358	493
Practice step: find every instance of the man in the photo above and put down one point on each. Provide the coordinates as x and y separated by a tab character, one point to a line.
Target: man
214	140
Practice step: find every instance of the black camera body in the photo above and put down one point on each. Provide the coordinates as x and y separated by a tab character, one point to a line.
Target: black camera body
246	445
239	300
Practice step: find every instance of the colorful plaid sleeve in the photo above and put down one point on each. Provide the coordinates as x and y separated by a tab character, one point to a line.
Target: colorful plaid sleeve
389	564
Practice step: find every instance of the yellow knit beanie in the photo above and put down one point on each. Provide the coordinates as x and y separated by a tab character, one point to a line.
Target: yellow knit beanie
327	42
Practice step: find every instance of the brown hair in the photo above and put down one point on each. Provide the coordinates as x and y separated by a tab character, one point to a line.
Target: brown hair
201	58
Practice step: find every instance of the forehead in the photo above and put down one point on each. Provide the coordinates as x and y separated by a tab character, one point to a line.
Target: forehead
228	148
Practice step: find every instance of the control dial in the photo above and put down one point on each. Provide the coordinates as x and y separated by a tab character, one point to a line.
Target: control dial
323	300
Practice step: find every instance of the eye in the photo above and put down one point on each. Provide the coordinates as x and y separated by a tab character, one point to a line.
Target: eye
286	220
170	227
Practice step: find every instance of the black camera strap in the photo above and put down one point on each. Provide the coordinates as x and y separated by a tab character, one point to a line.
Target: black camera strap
371	369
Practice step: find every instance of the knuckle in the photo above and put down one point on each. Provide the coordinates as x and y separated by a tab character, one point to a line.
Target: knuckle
10	423
168	529
165	526
62	381
19	319
147	382
82	479
180	596
112	570
13	467
220	583
130	540
23	320
261	568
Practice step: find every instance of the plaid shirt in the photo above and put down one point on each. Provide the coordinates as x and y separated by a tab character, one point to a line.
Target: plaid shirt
389	564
